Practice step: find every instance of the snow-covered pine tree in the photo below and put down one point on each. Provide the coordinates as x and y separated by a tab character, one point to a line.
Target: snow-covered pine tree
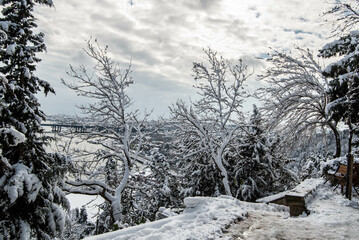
261	168
83	215
112	178
31	201
344	76
344	73
164	181
80	227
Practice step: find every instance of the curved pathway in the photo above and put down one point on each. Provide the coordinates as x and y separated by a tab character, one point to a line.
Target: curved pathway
332	217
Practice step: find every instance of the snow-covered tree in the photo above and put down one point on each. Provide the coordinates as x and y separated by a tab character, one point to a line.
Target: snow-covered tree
343	16
260	168
31	200
80	227
82	215
295	98
344	73
157	186
111	170
151	185
209	126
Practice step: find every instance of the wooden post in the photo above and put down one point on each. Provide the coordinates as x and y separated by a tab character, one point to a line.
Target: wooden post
350	176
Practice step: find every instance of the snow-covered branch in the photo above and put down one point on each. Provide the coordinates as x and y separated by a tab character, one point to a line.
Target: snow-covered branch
208	126
296	97
121	141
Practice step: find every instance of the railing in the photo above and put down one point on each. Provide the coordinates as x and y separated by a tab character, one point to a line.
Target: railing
77	127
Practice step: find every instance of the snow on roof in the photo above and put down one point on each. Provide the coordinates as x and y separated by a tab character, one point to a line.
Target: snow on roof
301	190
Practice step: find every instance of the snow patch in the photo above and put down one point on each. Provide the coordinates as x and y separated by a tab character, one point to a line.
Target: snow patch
16	136
25	231
165	213
27	73
10	50
203	217
22	181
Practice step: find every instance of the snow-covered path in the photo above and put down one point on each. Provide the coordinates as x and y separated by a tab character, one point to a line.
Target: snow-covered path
332	217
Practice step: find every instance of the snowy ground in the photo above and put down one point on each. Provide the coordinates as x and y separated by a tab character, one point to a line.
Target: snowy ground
332	217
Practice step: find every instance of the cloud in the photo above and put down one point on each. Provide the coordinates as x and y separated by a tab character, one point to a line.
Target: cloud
163	38
202	5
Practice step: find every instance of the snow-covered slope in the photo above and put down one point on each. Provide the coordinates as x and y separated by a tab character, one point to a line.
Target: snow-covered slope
332	217
203	218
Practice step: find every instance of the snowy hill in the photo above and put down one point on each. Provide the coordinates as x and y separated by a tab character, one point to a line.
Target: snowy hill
332	217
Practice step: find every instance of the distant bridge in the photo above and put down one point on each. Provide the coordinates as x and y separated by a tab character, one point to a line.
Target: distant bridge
78	128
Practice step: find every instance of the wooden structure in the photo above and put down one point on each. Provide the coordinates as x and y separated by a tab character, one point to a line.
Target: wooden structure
296	203
296	198
339	177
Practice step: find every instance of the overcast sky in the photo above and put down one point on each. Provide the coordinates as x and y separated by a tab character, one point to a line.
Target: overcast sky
163	38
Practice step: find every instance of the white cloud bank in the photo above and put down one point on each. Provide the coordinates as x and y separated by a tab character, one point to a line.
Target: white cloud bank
163	38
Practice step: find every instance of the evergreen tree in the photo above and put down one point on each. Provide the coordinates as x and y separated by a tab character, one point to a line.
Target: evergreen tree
344	74
261	168
198	171
83	215
80	227
31	200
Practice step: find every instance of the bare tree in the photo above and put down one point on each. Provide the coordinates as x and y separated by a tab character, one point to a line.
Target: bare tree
210	124
295	98
343	16
120	137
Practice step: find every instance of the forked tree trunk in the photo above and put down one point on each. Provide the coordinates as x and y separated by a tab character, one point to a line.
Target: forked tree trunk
224	175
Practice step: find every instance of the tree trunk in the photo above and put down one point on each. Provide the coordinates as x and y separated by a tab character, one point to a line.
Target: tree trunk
337	140
224	174
348	193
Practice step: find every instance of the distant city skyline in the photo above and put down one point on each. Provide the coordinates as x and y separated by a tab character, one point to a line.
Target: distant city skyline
164	38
